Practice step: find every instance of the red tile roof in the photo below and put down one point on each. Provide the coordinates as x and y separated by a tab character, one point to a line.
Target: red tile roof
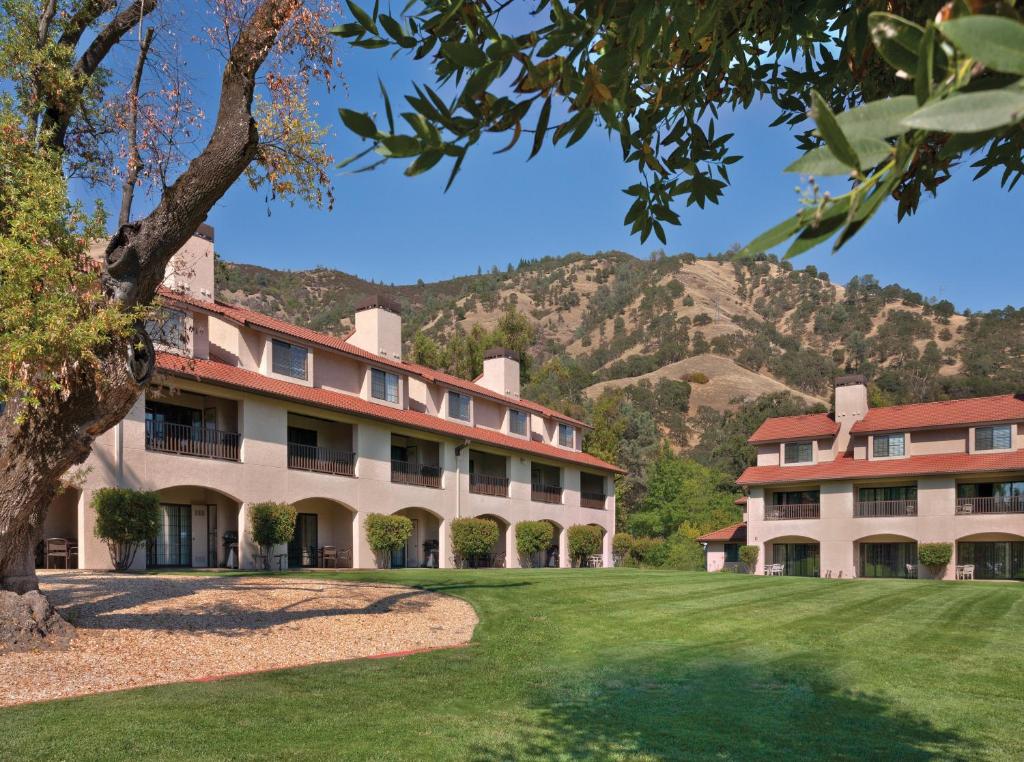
731	533
249	317
846	467
811	426
947	413
227	375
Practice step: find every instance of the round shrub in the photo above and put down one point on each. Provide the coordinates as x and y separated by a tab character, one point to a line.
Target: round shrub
622	544
125	519
532	537
474	538
385	534
584	541
748	555
685	554
934	555
271	524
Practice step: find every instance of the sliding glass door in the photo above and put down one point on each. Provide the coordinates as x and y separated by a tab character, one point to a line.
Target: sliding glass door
798	559
887	559
173	544
993	560
304	547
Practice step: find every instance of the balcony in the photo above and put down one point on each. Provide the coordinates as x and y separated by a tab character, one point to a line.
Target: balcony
180	439
323	460
971	505
792	511
545	493
864	509
593	500
403	472
482	484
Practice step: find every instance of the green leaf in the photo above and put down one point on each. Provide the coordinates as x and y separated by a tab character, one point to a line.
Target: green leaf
464	54
387	106
399	146
345	162
896	39
995	41
830	130
877	119
359	123
970	112
423	162
542	128
925	66
362	17
775	235
821	160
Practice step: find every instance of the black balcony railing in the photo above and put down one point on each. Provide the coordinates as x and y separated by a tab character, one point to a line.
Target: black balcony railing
323	460
794	511
483	484
403	472
1008	504
592	500
545	493
192	440
864	509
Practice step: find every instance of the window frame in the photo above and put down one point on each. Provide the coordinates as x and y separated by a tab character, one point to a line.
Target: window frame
392	396
992	437
808	443
513	415
888	439
275	345
454	410
562	428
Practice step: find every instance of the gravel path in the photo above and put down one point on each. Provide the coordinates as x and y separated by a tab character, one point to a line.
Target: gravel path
145	630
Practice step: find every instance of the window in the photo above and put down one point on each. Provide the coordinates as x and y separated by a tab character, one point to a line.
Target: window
289	359
879	494
732	552
801	497
566	436
303	437
517	421
168	327
383	385
993	438
458	406
990	489
799	452
889	445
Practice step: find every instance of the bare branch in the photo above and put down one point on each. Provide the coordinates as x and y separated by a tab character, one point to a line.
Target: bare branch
132	174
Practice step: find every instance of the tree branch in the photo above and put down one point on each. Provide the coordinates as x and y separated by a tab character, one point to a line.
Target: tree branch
132	175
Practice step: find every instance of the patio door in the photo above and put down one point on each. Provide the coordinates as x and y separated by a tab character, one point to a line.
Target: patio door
302	550
173	544
406	556
799	559
887	559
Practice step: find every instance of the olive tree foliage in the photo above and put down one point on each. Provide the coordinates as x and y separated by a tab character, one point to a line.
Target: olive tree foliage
655	76
965	77
99	91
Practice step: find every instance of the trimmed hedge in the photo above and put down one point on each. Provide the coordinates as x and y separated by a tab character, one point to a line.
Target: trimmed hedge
473	538
386	533
622	544
934	555
532	537
584	541
125	519
271	524
748	555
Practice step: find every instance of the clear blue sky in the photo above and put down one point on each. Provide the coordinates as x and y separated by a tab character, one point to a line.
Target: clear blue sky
964	246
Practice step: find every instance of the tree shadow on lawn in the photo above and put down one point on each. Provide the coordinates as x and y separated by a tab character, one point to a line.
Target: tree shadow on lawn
722	710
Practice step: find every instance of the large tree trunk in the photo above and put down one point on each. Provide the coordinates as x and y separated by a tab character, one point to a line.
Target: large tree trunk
39	444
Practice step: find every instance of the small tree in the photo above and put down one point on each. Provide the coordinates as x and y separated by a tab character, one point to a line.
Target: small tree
272	524
584	541
473	538
386	534
748	555
125	519
934	555
622	546
532	537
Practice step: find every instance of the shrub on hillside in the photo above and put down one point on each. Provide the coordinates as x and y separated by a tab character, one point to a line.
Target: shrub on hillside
125	519
473	538
532	537
748	555
386	534
934	555
696	378
584	541
271	524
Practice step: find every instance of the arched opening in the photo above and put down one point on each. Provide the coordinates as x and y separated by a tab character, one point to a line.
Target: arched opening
323	534
58	546
553	555
498	557
994	555
886	555
793	556
423	546
198	528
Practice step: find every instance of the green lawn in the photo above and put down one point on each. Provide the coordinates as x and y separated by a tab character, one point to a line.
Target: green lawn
610	664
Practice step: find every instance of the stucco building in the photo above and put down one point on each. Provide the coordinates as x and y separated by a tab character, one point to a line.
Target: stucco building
854	492
247	408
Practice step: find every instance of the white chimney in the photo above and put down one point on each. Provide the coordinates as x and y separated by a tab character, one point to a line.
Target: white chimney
190	270
501	372
379	327
851	405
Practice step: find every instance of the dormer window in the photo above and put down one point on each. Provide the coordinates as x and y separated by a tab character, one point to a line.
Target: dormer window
993	437
517	422
383	385
798	452
458	406
889	446
168	328
288	359
566	434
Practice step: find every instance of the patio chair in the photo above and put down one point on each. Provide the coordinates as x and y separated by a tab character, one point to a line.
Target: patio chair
329	556
345	557
595	561
60	549
911	571
498	562
967	571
